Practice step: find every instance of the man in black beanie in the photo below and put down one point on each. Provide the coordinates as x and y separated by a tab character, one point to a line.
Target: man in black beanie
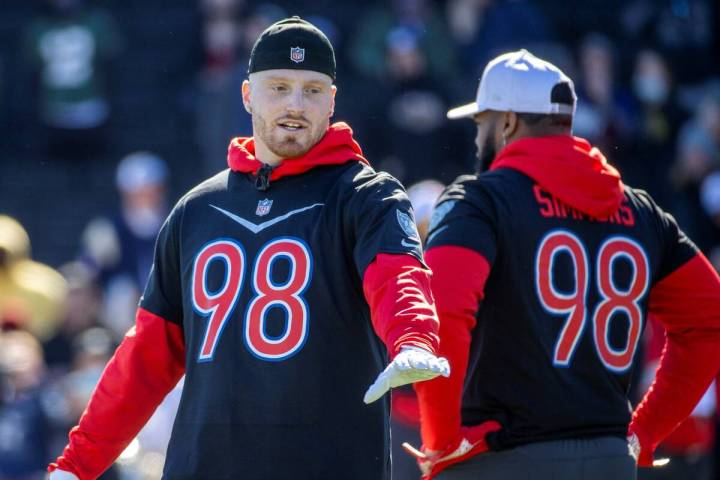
279	287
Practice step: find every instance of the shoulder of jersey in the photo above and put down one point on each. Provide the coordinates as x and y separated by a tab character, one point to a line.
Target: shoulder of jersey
639	193
501	177
641	199
363	176
470	186
215	183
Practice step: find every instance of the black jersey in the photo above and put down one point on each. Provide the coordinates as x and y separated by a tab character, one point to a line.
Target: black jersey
267	286
564	307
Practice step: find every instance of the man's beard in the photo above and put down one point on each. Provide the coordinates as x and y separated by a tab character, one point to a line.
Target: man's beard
285	144
486	157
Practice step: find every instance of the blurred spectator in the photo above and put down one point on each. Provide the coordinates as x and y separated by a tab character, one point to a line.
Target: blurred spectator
221	32
659	119
23	424
65	399
423	196
690	446
683	28
699	143
257	20
465	19
484	29
604	110
91	351
710	201
698	155
412	142
68	49
368	50
120	247
32	295
228	42
82	312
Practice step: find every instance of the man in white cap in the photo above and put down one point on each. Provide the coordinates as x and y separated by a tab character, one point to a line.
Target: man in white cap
545	269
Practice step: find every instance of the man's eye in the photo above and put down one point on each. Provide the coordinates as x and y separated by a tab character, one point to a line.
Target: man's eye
279	88
313	90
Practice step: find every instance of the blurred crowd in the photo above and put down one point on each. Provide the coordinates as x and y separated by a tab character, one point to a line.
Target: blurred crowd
110	109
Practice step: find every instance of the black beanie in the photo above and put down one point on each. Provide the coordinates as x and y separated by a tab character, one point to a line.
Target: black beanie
293	43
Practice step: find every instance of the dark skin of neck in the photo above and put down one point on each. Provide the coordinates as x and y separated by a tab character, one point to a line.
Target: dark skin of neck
496	130
512	126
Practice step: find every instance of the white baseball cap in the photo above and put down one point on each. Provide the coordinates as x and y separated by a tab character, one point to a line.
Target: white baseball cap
523	83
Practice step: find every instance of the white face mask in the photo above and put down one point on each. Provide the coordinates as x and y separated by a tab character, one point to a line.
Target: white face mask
144	222
651	88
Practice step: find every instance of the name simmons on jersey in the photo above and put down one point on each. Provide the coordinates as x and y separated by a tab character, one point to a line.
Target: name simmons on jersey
550	207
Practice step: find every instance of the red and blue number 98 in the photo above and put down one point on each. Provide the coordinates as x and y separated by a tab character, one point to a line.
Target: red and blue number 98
219	305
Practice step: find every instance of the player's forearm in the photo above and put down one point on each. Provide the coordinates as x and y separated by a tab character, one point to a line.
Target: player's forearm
457	296
440	400
397	288
689	364
687	302
146	366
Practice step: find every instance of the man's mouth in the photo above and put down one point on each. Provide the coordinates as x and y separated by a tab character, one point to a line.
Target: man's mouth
291	125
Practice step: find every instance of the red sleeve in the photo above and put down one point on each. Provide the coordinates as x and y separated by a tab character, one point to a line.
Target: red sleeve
459	276
687	302
655	339
146	366
397	288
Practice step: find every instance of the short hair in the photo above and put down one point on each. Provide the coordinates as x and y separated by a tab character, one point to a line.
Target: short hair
546	120
563	94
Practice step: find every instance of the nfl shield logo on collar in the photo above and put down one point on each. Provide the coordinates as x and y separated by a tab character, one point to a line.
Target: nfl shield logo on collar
297	54
263	207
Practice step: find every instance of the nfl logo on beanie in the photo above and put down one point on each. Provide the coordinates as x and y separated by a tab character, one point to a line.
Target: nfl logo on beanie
297	54
309	48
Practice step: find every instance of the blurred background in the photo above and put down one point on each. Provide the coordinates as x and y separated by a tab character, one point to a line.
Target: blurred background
111	109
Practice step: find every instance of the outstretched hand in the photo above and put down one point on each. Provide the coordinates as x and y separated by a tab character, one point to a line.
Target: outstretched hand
411	365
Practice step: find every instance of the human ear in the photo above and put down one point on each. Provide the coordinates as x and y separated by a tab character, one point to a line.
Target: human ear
510	124
333	91
246	96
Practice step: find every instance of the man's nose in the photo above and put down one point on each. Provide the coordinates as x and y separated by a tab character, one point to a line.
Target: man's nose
296	103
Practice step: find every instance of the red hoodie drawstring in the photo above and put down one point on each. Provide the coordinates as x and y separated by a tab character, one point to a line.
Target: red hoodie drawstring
262	181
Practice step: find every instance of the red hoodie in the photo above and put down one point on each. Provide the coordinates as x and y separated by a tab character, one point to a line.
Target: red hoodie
686	301
336	147
151	357
569	168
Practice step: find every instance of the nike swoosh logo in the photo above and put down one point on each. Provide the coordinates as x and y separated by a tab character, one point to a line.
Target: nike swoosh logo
408	244
464	447
256	228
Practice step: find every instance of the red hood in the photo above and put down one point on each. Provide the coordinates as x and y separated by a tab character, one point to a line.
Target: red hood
337	146
569	168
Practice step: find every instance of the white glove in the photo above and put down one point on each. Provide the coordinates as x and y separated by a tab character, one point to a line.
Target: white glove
411	365
61	475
